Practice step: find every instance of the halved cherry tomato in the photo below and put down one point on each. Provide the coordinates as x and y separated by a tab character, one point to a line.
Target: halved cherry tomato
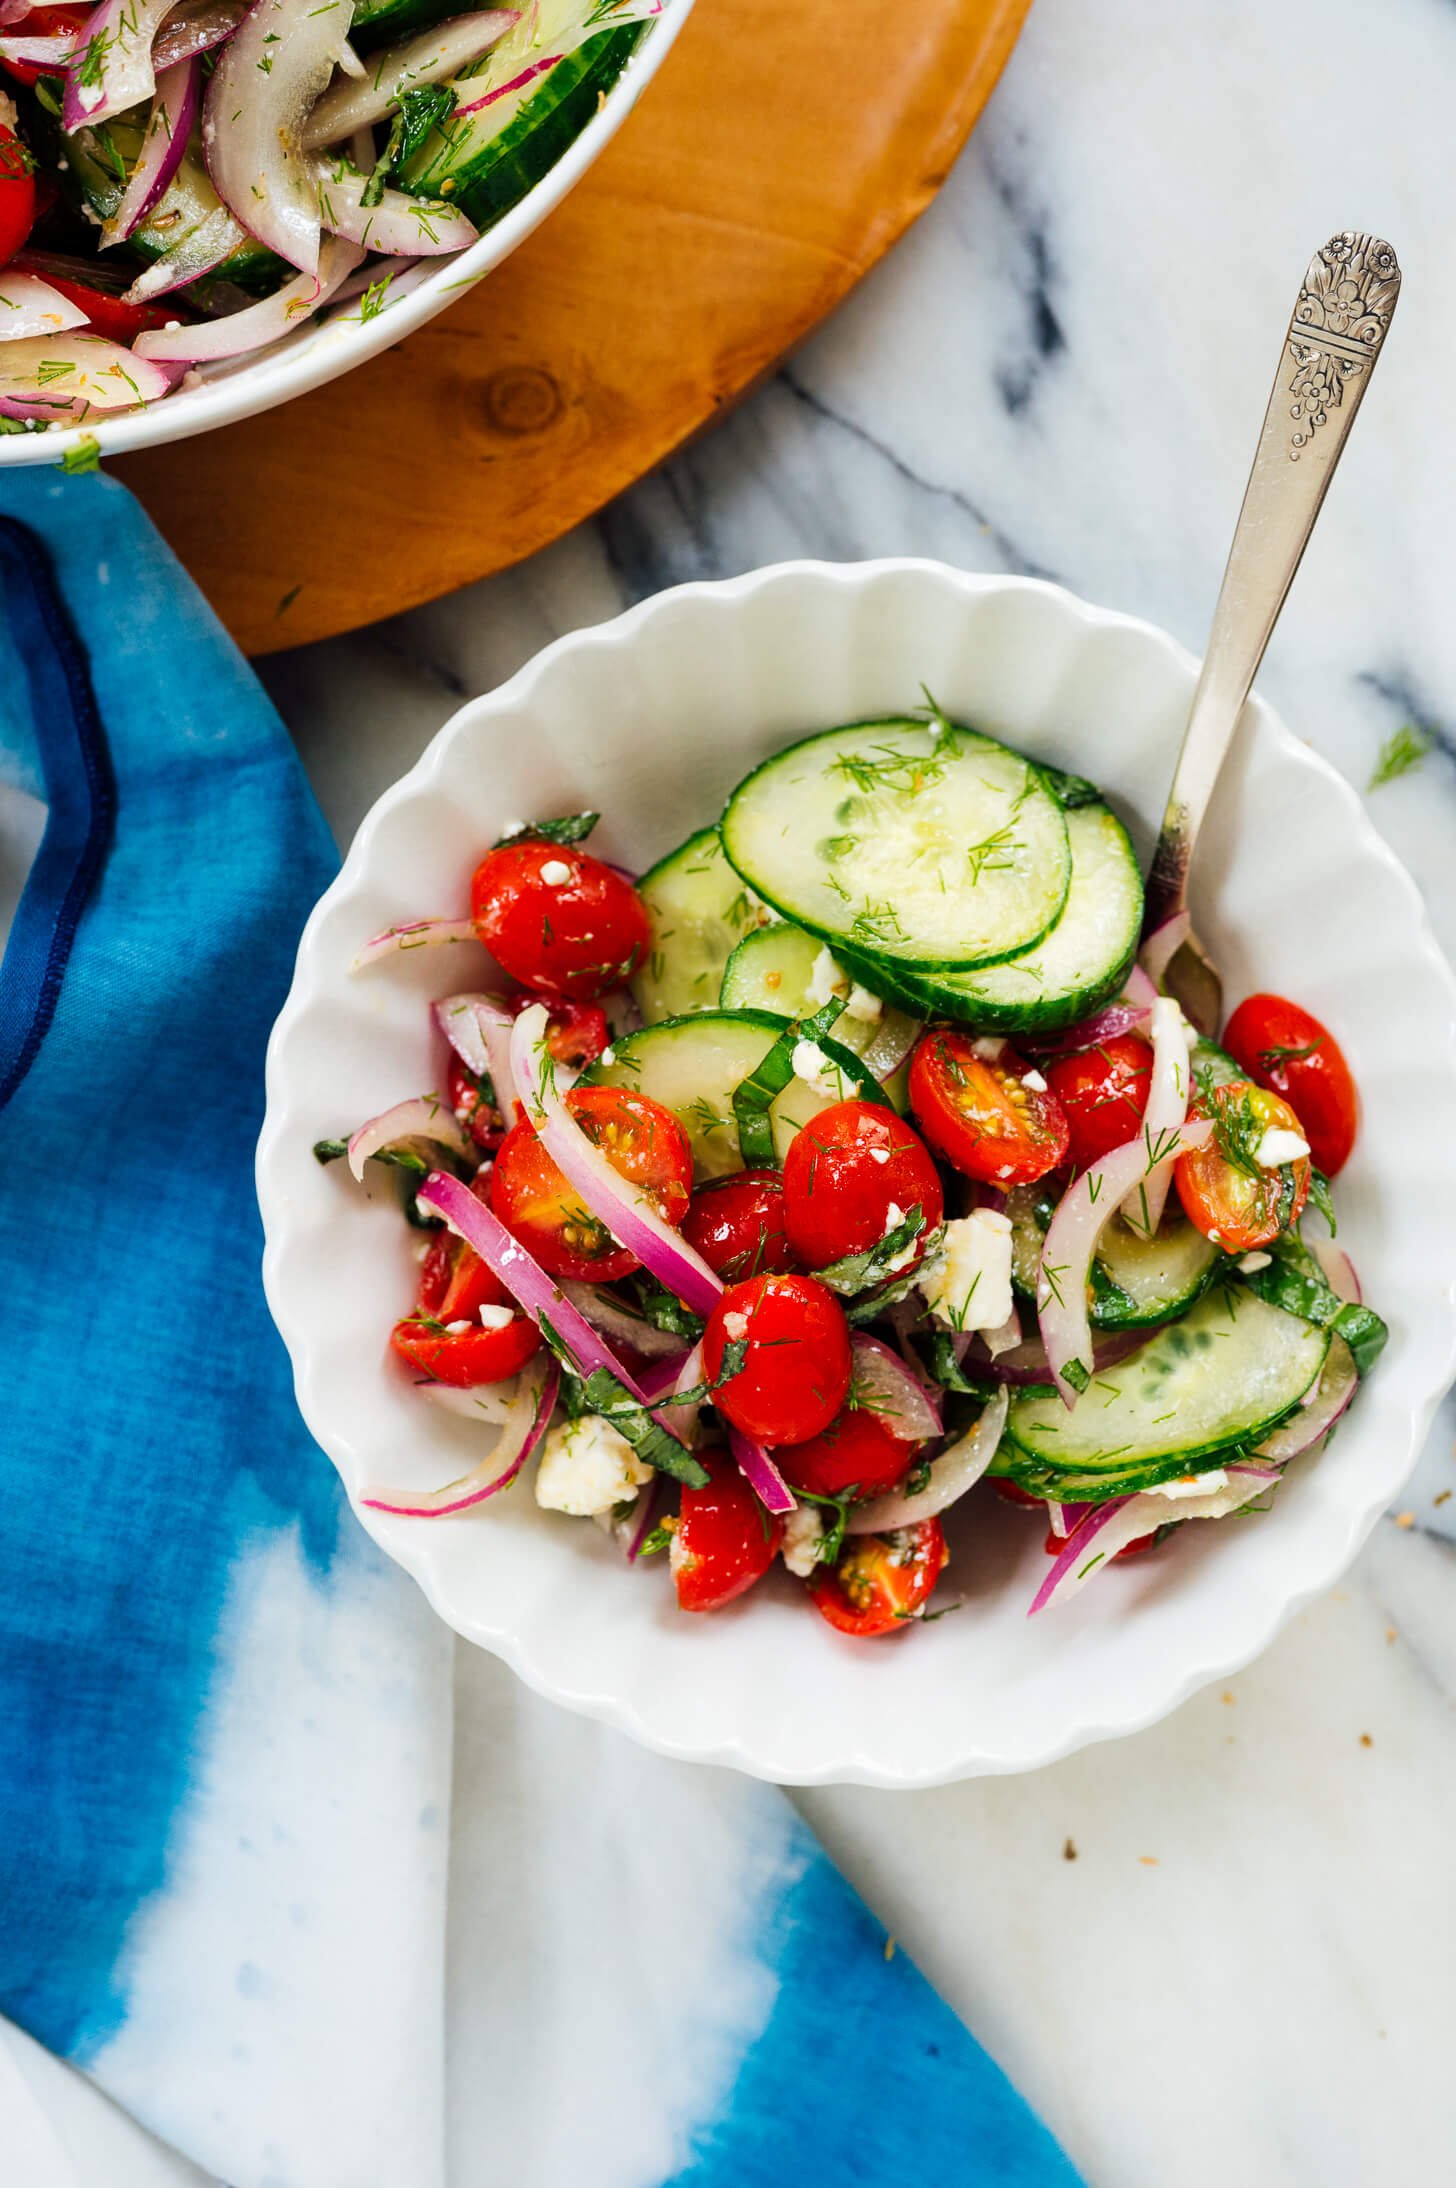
880	1582
100	299
857	1451
43	22
455	1283
972	1103
724	1539
1103	1092
1238	1203
576	1033
480	1117
850	1175
795	1373
465	1357
17	194
641	1140
737	1225
1055	1544
557	919
1013	1493
1280	1046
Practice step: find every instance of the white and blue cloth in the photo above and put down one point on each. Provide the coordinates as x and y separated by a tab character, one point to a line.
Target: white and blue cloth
225	1720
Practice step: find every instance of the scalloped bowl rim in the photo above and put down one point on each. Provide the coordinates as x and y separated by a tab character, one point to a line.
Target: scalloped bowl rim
624	1711
313	356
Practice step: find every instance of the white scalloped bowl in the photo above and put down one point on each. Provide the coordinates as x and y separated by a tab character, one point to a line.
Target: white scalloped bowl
653	718
316	353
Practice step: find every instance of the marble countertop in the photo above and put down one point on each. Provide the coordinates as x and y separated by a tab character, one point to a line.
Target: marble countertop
1221	1950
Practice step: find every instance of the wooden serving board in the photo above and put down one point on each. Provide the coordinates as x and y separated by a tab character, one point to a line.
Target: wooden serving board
780	152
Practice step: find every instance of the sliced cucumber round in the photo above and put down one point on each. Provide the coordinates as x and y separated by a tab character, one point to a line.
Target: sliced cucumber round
694	1065
699	911
909	844
1136	1282
1076	968
1223	1376
781	969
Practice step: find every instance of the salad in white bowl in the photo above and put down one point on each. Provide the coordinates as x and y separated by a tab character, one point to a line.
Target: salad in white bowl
850	1163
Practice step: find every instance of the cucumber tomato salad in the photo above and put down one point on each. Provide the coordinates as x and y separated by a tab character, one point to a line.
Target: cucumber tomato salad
853	1157
185	181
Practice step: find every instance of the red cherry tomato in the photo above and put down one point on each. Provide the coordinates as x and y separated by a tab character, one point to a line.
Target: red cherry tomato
1280	1046
98	298
557	919
880	1582
795	1374
857	1451
976	1110
1055	1544
576	1033
641	1140
1241	1205
1012	1493
480	1117
455	1283
724	1539
17	194
845	1175
1103	1092
45	23
737	1225
466	1357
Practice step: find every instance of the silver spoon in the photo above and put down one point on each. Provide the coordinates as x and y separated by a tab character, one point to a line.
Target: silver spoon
1340	320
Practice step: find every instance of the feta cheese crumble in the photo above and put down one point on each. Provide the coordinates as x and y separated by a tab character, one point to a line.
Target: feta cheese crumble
456	1329
1251	1263
608	1055
815	1069
555	873
587	1467
803	1533
829	982
1278	1146
880	1155
1035	1081
735	1326
1190	1485
867	1008
496	1318
967	1280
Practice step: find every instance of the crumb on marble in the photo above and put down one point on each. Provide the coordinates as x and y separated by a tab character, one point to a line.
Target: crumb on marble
1069	1851
1365	1740
1405	1519
1390	1633
1441	1499
1228	1698
1149	1861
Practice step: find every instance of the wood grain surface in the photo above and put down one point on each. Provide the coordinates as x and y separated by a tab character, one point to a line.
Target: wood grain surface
778	155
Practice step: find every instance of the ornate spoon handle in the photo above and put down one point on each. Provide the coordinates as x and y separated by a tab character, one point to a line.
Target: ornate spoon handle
1340	321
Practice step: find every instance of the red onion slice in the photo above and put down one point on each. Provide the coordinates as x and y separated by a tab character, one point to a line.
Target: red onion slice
259	324
614	1321
398	224
478	1028
30	307
527	1422
429	58
884	1386
415	934
113	67
72	375
951	1475
664	1377
267	79
627	1213
1336	1387
421	1127
1162	946
14	11
1169	1091
169	125
195	27
1339	1269
1108	1528
44	53
199	252
519	82
759	1471
1026	1363
1086	1209
1116	1019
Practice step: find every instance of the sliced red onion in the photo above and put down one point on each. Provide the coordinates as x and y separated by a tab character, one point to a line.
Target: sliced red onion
1108	1024
667	1376
1339	1269
195	27
398	224
643	1516
14	11
113	67
415	934
759	1471
174	110
884	1386
45	53
1005	1339
614	1321
421	1126
1107	1528
71	375
30	306
1336	1387
627	1213
1169	1090
198	253
526	1424
267	79
478	1028
259	324
894	1039
430	58
570	36
1162	945
1025	1362
1138	990
951	1475
1083	1214
518	82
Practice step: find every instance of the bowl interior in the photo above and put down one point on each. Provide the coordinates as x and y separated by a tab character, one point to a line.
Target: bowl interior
653	719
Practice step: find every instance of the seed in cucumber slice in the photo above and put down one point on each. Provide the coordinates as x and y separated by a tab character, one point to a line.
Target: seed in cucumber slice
1073	970
694	1065
486	162
782	969
920	846
1136	1282
1224	1375
699	911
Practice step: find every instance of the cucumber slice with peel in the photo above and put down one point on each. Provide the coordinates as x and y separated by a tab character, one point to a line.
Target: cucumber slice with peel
781	969
699	911
1136	1282
918	845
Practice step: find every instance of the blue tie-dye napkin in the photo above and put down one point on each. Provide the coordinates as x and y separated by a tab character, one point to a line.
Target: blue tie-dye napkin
225	1736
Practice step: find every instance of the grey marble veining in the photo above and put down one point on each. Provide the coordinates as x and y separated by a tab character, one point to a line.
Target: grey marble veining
1062	371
